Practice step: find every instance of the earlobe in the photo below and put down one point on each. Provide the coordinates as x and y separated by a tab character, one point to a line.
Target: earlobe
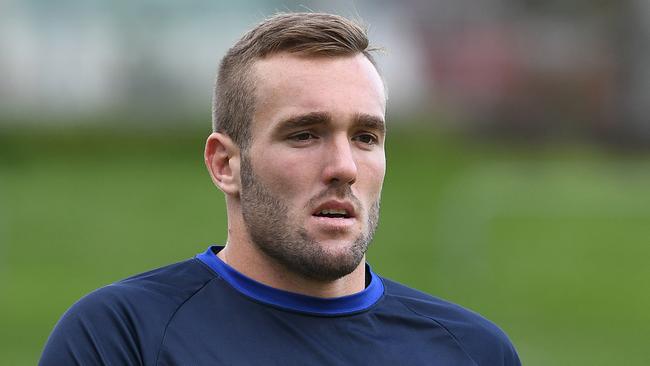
222	157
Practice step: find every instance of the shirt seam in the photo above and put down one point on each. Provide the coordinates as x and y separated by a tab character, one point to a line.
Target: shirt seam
451	334
162	340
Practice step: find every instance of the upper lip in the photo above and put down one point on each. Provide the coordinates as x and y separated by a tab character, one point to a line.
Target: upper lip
336	205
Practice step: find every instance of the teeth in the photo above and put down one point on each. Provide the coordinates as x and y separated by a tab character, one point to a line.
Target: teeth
333	212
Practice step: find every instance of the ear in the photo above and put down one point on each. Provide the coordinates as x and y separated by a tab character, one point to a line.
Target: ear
222	158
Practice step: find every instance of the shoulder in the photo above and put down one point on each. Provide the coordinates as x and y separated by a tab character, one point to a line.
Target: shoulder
160	290
125	320
172	283
483	340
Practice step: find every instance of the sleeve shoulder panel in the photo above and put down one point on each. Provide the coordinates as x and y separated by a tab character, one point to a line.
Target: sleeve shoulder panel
483	340
123	323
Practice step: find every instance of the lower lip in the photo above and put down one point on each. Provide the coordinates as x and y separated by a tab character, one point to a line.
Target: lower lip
334	223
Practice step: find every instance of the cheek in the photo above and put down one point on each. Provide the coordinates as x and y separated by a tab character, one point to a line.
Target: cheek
287	175
374	171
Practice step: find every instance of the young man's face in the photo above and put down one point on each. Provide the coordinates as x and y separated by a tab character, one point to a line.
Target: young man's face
312	178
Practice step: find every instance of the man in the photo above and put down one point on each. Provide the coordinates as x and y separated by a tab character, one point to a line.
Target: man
298	150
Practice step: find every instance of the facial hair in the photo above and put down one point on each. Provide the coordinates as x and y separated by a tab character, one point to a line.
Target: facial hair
273	231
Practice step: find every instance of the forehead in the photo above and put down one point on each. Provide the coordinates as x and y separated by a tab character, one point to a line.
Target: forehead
343	86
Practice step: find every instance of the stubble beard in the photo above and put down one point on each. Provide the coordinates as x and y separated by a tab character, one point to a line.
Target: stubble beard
268	223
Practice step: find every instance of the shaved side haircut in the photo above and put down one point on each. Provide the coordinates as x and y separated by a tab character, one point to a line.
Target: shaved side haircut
309	34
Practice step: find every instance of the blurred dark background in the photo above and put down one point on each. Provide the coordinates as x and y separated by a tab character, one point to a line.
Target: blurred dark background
518	179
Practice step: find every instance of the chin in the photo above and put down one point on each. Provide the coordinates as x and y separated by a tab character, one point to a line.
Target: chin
333	237
336	246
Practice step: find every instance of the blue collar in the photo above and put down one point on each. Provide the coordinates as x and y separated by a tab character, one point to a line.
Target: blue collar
290	300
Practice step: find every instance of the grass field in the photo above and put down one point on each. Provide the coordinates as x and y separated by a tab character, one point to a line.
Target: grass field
552	244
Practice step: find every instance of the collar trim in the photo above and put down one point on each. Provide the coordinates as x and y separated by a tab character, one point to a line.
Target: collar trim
354	303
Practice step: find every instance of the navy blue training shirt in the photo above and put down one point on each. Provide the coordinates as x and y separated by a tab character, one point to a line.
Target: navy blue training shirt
203	312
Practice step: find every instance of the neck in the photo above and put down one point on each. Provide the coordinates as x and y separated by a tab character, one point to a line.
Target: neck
254	264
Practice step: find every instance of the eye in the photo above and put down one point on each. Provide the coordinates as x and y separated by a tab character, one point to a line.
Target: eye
366	138
302	136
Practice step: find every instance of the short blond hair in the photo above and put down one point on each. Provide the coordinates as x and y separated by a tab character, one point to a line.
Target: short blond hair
311	34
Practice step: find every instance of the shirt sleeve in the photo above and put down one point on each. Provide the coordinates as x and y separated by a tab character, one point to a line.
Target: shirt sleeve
97	330
487	344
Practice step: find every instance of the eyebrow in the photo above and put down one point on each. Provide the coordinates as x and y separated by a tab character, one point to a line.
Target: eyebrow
305	120
371	122
363	120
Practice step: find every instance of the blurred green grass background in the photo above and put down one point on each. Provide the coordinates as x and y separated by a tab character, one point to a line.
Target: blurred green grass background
551	242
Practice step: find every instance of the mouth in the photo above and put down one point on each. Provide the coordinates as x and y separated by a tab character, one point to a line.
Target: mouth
335	210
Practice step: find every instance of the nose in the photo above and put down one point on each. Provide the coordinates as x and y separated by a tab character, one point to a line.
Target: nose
340	165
